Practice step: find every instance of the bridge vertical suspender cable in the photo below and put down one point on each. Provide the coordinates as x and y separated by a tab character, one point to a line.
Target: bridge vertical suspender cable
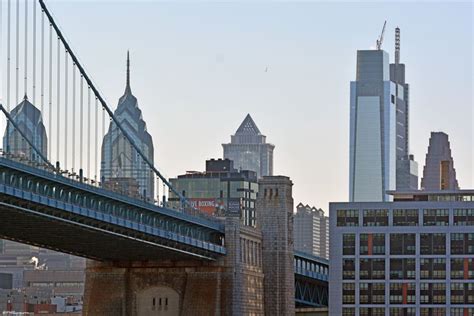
81	121
66	65
26	49
73	117
58	100
17	52
96	158
104	104
50	94
88	132
34	54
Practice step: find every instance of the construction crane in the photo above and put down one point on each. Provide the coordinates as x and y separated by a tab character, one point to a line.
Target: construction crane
380	39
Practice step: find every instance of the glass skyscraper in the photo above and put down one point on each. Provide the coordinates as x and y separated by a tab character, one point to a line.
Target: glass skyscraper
122	169
249	150
372	129
29	120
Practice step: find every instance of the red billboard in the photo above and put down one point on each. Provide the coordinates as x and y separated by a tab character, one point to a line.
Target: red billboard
207	205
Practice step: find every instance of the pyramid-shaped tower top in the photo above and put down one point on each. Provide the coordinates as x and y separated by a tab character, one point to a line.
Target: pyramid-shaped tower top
248	126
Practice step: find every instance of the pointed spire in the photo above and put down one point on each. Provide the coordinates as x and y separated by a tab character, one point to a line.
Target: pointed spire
248	126
127	88
25	98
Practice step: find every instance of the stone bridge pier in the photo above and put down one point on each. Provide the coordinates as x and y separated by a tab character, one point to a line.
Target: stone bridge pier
234	284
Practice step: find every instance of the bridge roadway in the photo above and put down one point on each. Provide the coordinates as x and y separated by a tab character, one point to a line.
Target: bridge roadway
311	280
48	210
42	208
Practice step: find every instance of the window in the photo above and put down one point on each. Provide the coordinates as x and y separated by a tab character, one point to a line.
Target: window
433	293
436	217
462	244
375	218
372	244
433	244
370	311
459	311
405	217
433	268
402	311
347	217
372	293
433	311
462	293
348	293
402	293
348	244
402	244
402	268
462	268
372	269
463	217
348	311
348	269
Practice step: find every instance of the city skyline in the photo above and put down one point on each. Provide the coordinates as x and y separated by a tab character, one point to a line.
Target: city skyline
257	82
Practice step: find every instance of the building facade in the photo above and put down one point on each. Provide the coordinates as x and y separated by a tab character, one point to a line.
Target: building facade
406	166
311	231
30	121
220	188
249	150
122	168
439	172
411	257
372	169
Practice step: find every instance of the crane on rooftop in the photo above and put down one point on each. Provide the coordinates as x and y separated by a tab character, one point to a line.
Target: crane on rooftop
380	39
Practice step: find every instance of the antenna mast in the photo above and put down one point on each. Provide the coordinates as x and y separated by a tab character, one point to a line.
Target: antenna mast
397	45
380	39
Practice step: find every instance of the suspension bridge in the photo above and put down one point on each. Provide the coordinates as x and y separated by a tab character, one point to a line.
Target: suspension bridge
78	177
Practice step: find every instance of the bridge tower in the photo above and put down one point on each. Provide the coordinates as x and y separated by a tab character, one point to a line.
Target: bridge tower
275	215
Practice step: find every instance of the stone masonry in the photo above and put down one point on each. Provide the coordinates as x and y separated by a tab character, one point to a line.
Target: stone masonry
232	285
275	215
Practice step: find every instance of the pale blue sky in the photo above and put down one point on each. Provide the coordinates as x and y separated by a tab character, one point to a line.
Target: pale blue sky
199	67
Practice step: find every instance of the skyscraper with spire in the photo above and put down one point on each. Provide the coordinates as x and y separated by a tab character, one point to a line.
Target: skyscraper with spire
249	150
122	169
406	166
30	121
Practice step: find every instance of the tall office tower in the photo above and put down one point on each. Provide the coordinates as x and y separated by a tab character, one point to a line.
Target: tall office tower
122	169
311	231
412	257
372	129
406	167
249	150
439	172
29	120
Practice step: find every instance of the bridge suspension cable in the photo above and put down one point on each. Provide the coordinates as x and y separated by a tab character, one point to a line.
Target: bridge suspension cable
67	131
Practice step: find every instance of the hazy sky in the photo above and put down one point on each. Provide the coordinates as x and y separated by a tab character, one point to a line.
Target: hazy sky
199	67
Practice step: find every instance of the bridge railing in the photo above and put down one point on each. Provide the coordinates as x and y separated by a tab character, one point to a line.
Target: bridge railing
57	119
